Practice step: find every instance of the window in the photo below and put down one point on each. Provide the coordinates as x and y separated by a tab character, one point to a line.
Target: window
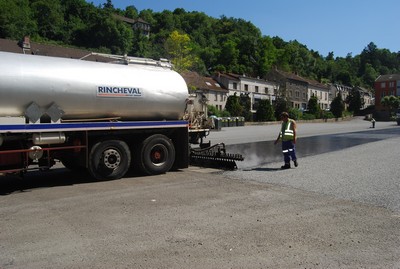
216	97
297	94
246	87
221	97
266	89
256	87
383	85
391	84
234	85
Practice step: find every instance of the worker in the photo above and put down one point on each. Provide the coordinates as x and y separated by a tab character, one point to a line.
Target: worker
288	137
373	122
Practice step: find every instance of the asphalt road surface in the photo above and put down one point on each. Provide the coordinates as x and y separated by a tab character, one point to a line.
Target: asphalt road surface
338	209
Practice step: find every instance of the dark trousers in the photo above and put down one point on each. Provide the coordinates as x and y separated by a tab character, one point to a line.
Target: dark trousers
289	151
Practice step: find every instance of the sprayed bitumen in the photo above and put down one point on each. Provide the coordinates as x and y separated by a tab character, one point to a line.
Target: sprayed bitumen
264	152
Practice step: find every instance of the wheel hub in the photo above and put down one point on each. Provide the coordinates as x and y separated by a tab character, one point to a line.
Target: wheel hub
158	155
112	158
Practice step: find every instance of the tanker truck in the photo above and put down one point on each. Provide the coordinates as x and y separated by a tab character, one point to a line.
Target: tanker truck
105	118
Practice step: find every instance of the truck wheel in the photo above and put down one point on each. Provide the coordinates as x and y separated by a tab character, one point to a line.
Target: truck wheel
109	159
156	155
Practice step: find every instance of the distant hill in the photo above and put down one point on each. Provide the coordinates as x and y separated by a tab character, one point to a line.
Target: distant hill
224	44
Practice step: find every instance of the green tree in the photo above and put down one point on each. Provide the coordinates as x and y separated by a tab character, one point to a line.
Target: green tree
233	105
49	18
212	110
391	103
312	106
141	46
337	106
354	101
108	5
370	74
245	103
344	77
16	20
267	55
105	31
223	44
131	12
229	56
178	47
76	18
281	105
265	111
294	113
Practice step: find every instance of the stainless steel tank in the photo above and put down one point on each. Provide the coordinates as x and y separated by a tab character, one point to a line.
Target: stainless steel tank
79	89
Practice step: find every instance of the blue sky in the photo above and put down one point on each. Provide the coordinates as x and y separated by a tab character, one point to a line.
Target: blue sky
338	26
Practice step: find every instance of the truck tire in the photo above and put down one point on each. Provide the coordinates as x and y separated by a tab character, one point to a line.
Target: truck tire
109	159
156	155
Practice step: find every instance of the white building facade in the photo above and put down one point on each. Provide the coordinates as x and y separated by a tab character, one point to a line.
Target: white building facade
257	89
320	91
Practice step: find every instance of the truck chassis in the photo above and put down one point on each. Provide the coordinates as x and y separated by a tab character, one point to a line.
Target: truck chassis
107	150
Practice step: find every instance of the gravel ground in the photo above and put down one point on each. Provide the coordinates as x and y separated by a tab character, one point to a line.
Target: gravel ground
336	210
366	173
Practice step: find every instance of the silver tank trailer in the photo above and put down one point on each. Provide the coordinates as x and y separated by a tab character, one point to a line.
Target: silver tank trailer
78	89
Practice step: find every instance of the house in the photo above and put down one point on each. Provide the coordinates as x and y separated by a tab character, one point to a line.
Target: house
210	88
292	86
366	96
257	89
386	85
136	24
335	89
298	90
25	46
321	91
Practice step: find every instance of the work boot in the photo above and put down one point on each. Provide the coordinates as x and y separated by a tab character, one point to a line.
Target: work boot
295	163
286	166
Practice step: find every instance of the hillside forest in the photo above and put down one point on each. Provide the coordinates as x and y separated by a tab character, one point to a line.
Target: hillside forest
194	40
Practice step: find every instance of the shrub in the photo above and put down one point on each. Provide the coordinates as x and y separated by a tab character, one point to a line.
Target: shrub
294	113
307	116
328	115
